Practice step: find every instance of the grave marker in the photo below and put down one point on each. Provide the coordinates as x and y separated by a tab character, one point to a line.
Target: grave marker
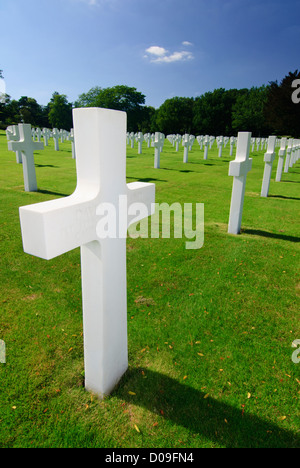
239	169
53	228
281	155
269	158
55	136
186	144
140	139
27	146
12	134
158	143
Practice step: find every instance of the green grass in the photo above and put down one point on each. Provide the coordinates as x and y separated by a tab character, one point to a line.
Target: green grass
210	330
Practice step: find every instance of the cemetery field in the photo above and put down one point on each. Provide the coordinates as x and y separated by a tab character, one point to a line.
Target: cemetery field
210	331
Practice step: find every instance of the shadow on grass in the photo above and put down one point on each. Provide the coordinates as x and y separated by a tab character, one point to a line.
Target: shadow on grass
49	192
184	406
147	179
283	197
46	165
272	235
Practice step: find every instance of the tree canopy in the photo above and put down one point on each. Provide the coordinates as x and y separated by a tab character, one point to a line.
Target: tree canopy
261	110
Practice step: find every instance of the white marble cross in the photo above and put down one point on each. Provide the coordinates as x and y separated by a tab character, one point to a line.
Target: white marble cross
239	169
72	140
177	141
158	144
206	143
27	146
220	145
140	139
55	136
46	135
232	143
186	145
12	134
288	155
147	138
38	134
281	155
95	218
269	159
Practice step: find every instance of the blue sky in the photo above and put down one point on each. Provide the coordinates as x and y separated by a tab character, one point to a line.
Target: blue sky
164	48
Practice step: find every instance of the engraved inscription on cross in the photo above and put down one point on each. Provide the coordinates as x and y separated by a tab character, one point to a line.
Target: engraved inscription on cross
27	146
53	228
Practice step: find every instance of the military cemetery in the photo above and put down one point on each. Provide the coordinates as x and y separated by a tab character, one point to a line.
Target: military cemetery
150	294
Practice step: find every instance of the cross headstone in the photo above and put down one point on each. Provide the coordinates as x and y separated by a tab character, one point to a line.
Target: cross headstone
232	142
281	155
72	140
131	139
206	143
147	138
269	158
46	135
177	140
27	146
157	143
288	155
38	134
220	146
191	141
200	141
140	139
186	145
53	228
239	169
55	136
12	134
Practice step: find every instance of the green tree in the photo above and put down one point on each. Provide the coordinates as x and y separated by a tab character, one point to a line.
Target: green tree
248	111
281	113
60	112
30	111
213	112
121	98
175	116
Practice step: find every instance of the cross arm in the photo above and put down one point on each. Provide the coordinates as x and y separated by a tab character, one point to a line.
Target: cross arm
53	228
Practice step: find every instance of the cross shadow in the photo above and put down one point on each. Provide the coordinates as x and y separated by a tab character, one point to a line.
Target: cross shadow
46	165
49	192
272	235
147	179
282	196
217	421
291	181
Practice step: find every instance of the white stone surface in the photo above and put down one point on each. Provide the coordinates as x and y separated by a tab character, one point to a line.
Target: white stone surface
239	169
27	146
269	159
52	228
281	156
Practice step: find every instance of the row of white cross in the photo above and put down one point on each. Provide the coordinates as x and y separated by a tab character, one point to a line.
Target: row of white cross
53	228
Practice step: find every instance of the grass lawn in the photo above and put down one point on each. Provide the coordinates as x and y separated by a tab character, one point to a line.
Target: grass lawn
210	331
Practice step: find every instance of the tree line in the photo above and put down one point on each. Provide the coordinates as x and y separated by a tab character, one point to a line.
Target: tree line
264	110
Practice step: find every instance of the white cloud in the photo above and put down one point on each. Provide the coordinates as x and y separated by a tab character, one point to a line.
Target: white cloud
187	43
158	54
157	51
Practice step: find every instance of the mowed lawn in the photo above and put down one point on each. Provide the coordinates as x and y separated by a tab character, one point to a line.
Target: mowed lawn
210	330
